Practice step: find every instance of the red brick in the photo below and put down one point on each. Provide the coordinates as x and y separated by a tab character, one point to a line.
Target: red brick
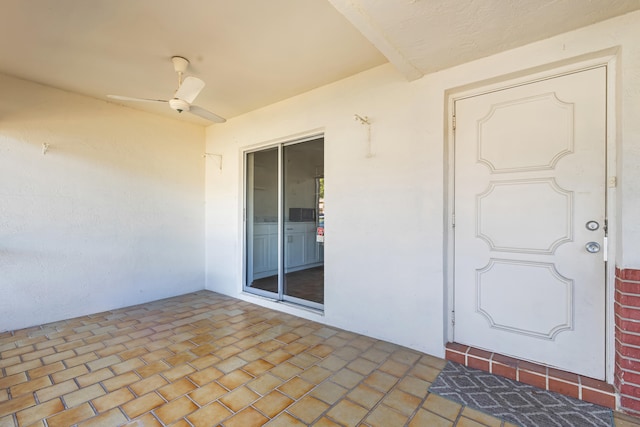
535	380
505	360
482	354
503	370
596	384
475	363
630	404
630	376
630	390
627	364
563	375
562	387
532	367
627	287
455	357
629	274
628	300
458	347
627	351
620	374
626	338
626	325
626	312
598	397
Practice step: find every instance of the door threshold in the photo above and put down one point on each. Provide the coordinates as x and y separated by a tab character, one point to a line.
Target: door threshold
292	304
541	376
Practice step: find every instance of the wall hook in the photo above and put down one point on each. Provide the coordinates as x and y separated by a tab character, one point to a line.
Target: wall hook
45	148
365	121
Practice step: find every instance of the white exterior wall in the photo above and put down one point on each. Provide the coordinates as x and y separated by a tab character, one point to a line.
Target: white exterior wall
112	215
385	254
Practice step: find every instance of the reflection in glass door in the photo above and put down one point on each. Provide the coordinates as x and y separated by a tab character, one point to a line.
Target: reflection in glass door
285	222
262	221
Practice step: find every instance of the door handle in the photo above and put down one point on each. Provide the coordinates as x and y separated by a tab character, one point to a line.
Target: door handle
592	247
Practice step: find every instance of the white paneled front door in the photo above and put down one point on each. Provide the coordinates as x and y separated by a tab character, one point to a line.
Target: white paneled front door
529	198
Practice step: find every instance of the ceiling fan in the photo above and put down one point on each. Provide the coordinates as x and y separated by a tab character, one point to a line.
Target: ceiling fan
188	90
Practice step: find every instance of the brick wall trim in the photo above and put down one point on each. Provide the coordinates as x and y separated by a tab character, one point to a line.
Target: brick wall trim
627	337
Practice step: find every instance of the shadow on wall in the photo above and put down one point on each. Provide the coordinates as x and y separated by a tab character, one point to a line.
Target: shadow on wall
109	214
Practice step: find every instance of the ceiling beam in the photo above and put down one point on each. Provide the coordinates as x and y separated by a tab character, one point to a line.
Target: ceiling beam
357	15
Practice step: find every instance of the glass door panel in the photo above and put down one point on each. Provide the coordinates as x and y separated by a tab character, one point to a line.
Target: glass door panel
262	222
303	167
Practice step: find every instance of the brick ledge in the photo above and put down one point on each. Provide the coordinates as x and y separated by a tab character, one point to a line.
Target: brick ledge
551	379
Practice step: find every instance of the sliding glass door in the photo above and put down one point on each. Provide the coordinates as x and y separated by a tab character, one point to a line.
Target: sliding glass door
284	204
262	211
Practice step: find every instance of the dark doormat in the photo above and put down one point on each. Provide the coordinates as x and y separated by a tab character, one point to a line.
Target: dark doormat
516	402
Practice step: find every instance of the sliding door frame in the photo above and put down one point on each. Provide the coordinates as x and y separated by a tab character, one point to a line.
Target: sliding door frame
248	224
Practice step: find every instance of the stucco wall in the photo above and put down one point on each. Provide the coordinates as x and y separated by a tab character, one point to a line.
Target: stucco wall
384	252
112	215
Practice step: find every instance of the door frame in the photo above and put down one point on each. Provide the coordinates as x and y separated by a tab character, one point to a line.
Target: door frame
607	58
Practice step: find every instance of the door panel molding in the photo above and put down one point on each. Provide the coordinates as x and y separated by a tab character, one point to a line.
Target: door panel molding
528	137
558	202
558	315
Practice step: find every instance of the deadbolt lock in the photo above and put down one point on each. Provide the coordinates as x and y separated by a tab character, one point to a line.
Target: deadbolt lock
592	225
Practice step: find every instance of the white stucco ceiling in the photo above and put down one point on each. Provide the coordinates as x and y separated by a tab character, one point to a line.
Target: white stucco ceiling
252	53
423	36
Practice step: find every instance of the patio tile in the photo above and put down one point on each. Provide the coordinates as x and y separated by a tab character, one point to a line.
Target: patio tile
205	359
384	416
175	410
239	398
365	396
347	412
208	393
113	417
273	403
142	405
71	416
426	418
176	389
285	420
83	395
209	415
443	407
247	417
112	400
39	412
308	409
234	379
295	387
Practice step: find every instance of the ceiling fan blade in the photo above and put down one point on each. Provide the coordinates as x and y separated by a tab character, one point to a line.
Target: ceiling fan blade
128	98
205	114
189	89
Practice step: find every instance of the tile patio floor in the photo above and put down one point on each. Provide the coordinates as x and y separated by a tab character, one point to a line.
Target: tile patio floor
204	359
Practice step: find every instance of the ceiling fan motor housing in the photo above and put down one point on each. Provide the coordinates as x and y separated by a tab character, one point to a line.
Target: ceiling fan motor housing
179	105
180	64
